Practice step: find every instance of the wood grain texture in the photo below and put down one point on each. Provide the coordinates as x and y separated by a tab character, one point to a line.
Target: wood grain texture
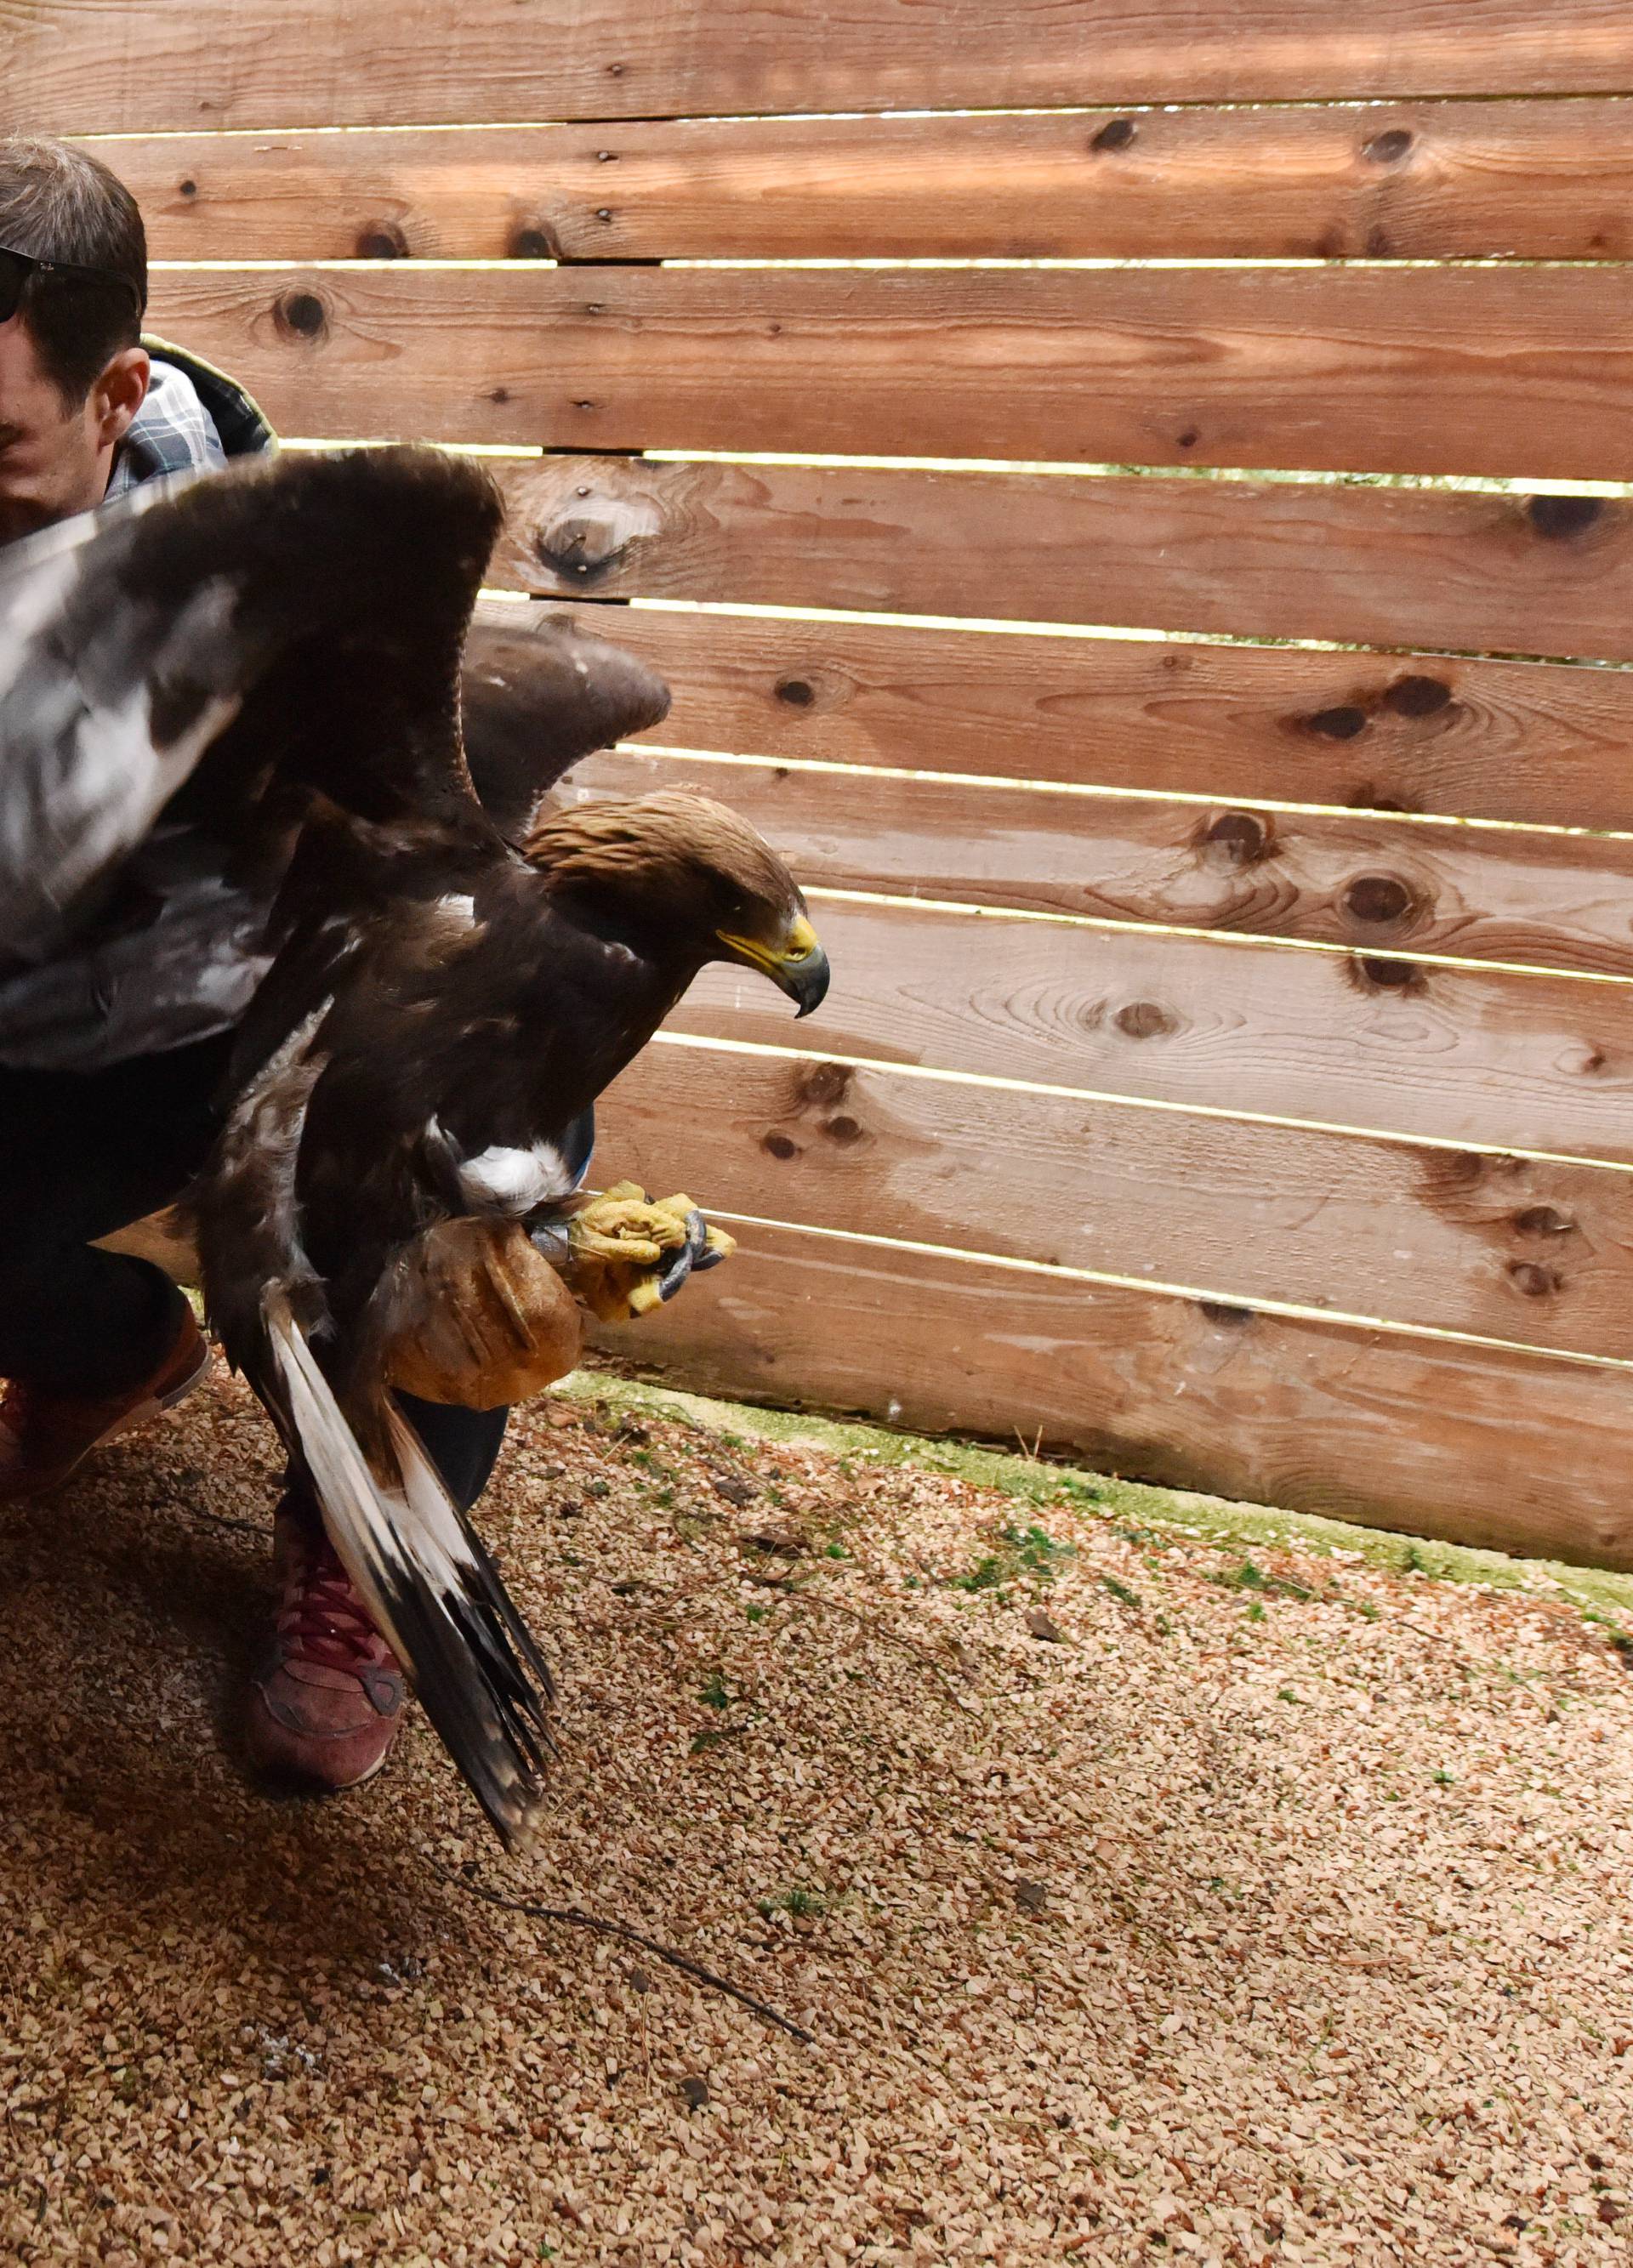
1422	180
1470	369
1526	742
1515	1453
1391	567
91	66
1519	1250
1458	1054
1375	885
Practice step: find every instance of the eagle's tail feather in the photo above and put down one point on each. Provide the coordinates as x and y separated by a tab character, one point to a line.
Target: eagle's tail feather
430	1586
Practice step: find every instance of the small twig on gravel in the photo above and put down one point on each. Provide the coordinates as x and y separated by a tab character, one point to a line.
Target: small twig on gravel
810	1596
262	1527
1435	1638
579	1919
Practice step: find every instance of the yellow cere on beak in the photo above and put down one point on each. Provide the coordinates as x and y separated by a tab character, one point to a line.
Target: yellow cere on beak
798	966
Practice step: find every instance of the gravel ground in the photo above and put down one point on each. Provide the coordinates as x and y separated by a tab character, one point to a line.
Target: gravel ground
1148	1893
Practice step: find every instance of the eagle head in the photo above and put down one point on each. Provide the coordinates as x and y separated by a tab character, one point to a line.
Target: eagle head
692	878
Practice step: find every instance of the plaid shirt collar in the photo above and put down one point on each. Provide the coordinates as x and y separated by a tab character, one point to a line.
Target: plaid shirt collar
193	421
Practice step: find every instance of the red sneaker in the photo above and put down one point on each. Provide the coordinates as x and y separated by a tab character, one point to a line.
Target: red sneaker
44	1436
326	1708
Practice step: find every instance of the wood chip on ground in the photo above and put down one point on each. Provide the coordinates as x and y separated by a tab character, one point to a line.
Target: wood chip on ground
1274	1913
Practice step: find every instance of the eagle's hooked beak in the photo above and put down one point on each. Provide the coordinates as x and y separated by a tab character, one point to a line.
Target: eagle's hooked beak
798	966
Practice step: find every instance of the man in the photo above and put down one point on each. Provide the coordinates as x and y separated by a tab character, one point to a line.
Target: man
109	1081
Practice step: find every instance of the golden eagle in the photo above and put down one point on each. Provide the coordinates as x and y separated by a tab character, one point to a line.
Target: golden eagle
275	655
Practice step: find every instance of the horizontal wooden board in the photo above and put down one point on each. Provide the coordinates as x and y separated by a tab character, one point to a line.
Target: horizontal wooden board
1458	1055
1526	741
1378	885
76	67
1512	1248
1516	1452
1533	180
1392	567
1469	370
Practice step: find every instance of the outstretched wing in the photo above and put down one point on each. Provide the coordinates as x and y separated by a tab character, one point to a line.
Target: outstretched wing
298	624
541	691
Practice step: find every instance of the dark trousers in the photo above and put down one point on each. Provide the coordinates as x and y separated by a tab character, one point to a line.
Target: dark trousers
83	1154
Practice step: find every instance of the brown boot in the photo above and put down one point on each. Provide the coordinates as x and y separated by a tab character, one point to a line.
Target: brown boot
44	1436
325	1707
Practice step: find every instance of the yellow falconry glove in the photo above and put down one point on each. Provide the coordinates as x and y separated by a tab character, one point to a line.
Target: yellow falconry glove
630	1252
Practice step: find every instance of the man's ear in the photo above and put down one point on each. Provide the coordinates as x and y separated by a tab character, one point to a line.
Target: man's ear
119	393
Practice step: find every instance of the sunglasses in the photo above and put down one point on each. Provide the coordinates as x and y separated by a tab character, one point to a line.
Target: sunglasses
17	269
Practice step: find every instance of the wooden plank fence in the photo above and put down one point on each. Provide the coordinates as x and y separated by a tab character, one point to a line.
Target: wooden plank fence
1522	574
153	64
1529	742
1229	1072
1494	370
1331	878
1536	181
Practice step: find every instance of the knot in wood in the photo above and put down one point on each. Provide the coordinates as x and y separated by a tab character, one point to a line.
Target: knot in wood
825	1085
1418	697
1379	975
1374	898
1236	838
301	315
1535	1282
1341	724
382	239
1451	1174
1221	1311
580	547
1145	1020
1388	148
1543	1220
1558	518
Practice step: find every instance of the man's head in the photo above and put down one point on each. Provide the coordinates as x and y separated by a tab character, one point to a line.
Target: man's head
72	370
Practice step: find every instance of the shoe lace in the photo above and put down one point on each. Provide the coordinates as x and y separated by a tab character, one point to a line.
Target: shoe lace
324	1619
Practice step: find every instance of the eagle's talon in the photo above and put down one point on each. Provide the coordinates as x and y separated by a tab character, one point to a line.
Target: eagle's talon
675	1270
